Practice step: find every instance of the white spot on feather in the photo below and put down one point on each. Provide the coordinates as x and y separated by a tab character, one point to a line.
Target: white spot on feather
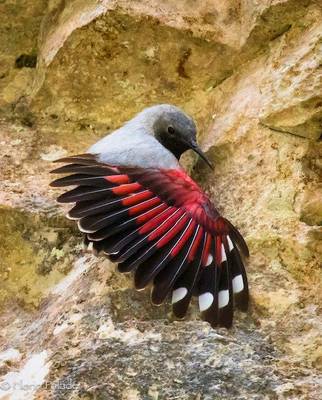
238	284
209	260
223	298
223	254
205	301
230	243
179	294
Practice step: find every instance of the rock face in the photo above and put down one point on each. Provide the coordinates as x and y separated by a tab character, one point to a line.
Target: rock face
250	74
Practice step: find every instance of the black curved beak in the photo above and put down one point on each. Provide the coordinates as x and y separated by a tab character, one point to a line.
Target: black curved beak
194	146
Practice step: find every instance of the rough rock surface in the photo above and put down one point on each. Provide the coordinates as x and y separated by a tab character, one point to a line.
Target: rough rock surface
250	73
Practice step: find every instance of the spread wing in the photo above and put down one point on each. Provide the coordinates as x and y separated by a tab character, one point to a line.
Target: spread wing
159	224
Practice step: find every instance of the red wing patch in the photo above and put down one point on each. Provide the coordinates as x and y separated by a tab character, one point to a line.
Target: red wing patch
162	226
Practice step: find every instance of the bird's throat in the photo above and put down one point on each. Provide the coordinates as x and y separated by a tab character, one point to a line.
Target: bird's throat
176	147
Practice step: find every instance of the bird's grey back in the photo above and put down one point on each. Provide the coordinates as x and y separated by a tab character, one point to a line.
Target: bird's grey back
134	144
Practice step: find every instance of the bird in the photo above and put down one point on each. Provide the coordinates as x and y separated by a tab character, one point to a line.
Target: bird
136	205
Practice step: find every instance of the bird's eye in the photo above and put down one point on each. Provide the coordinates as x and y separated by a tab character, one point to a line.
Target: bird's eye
171	130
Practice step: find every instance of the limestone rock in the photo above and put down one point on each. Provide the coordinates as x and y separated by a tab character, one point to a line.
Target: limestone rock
249	72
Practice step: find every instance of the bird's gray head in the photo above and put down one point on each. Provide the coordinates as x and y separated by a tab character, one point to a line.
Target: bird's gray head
174	129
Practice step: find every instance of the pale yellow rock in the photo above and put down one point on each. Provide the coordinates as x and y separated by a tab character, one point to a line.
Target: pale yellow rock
131	394
249	72
311	206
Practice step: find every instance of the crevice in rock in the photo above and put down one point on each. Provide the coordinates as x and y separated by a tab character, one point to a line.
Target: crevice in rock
281	130
182	61
26	61
281	33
